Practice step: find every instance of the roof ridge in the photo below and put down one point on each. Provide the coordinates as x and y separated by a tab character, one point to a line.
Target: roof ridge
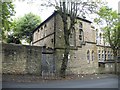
54	13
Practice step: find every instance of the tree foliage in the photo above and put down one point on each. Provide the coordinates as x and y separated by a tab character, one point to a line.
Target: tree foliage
12	39
111	27
6	10
23	27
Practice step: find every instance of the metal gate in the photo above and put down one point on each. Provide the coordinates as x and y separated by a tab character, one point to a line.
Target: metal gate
48	62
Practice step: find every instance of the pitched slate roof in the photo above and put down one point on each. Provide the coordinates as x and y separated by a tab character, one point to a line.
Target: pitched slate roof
55	12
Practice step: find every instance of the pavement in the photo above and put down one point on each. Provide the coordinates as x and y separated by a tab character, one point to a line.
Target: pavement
88	81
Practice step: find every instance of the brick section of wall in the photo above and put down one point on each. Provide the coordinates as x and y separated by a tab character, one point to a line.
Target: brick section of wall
21	59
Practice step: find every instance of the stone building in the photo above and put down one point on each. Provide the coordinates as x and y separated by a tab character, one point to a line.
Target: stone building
103	48
87	46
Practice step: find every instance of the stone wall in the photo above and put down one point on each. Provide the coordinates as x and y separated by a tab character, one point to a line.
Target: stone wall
108	67
21	59
78	63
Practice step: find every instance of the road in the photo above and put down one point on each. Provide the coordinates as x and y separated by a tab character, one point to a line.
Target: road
108	82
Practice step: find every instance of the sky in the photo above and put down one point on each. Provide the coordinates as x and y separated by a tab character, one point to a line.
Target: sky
23	7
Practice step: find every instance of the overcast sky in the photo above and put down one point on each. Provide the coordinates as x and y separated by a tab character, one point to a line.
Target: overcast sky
22	8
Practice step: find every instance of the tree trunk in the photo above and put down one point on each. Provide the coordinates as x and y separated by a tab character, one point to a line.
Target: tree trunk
66	48
115	58
67	31
66	52
64	63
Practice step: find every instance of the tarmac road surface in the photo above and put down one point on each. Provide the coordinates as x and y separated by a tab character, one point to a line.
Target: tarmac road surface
107	82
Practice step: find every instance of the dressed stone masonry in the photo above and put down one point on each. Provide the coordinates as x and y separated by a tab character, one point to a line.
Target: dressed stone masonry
87	45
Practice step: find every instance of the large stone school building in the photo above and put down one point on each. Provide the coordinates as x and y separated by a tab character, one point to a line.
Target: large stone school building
88	48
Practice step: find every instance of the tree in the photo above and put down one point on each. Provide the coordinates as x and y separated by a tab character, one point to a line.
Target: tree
7	10
23	27
12	39
72	9
111	27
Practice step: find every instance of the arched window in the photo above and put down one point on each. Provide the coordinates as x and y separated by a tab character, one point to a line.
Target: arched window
80	25
109	56
103	54
72	37
99	55
88	56
100	37
92	55
112	55
96	35
81	35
